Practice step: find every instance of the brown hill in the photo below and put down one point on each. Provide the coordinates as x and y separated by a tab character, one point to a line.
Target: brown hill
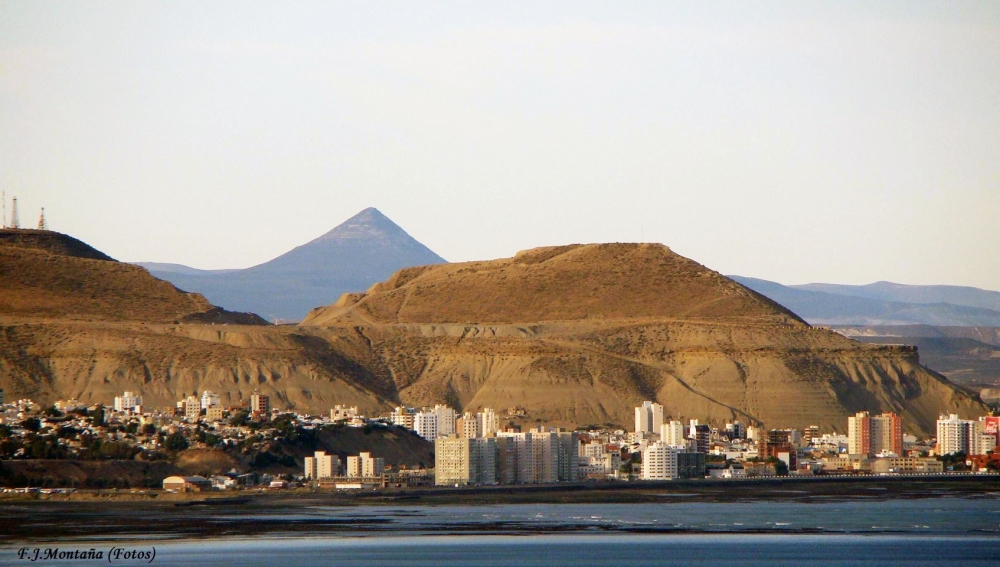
75	323
51	275
582	334
561	283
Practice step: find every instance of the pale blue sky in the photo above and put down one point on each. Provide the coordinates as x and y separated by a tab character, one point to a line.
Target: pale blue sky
839	142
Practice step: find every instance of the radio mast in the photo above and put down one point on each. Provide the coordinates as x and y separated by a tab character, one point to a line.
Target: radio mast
41	221
14	223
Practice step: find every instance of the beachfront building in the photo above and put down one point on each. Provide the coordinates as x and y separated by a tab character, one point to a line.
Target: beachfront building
700	435
956	435
321	465
186	483
659	462
463	460
872	435
364	466
537	456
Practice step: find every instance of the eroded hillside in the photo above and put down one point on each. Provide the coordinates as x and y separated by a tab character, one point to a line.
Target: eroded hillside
570	336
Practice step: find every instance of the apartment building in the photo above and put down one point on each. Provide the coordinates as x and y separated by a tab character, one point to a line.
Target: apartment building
210	399
661	461
648	418
673	433
128	401
259	404
321	465
463	460
364	466
873	435
425	423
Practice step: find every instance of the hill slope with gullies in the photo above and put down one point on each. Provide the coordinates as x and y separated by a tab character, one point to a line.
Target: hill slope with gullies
569	336
581	334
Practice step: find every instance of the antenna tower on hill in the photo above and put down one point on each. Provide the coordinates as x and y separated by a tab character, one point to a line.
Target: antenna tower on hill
14	223
42	225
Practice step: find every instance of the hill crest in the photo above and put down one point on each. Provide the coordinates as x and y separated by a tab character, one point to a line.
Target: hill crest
556	283
45	274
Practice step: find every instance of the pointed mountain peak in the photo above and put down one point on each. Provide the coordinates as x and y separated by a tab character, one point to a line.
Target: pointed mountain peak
369	223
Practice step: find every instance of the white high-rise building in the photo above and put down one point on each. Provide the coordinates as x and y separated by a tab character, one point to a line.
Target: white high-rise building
446	418
956	435
648	418
489	422
210	400
425	423
128	401
659	462
673	434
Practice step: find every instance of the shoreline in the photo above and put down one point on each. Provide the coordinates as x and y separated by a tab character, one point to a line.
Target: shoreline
593	492
376	513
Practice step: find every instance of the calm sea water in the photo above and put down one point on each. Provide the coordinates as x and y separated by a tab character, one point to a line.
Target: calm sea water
940	531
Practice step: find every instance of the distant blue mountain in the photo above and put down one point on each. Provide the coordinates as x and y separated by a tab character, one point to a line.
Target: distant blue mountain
923	294
365	249
884	303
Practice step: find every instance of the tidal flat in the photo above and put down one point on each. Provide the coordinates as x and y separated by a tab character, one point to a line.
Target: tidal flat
946	505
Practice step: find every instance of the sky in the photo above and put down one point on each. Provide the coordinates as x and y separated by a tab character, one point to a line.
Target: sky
843	142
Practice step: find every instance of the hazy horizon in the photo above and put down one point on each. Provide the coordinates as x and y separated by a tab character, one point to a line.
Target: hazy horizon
845	142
